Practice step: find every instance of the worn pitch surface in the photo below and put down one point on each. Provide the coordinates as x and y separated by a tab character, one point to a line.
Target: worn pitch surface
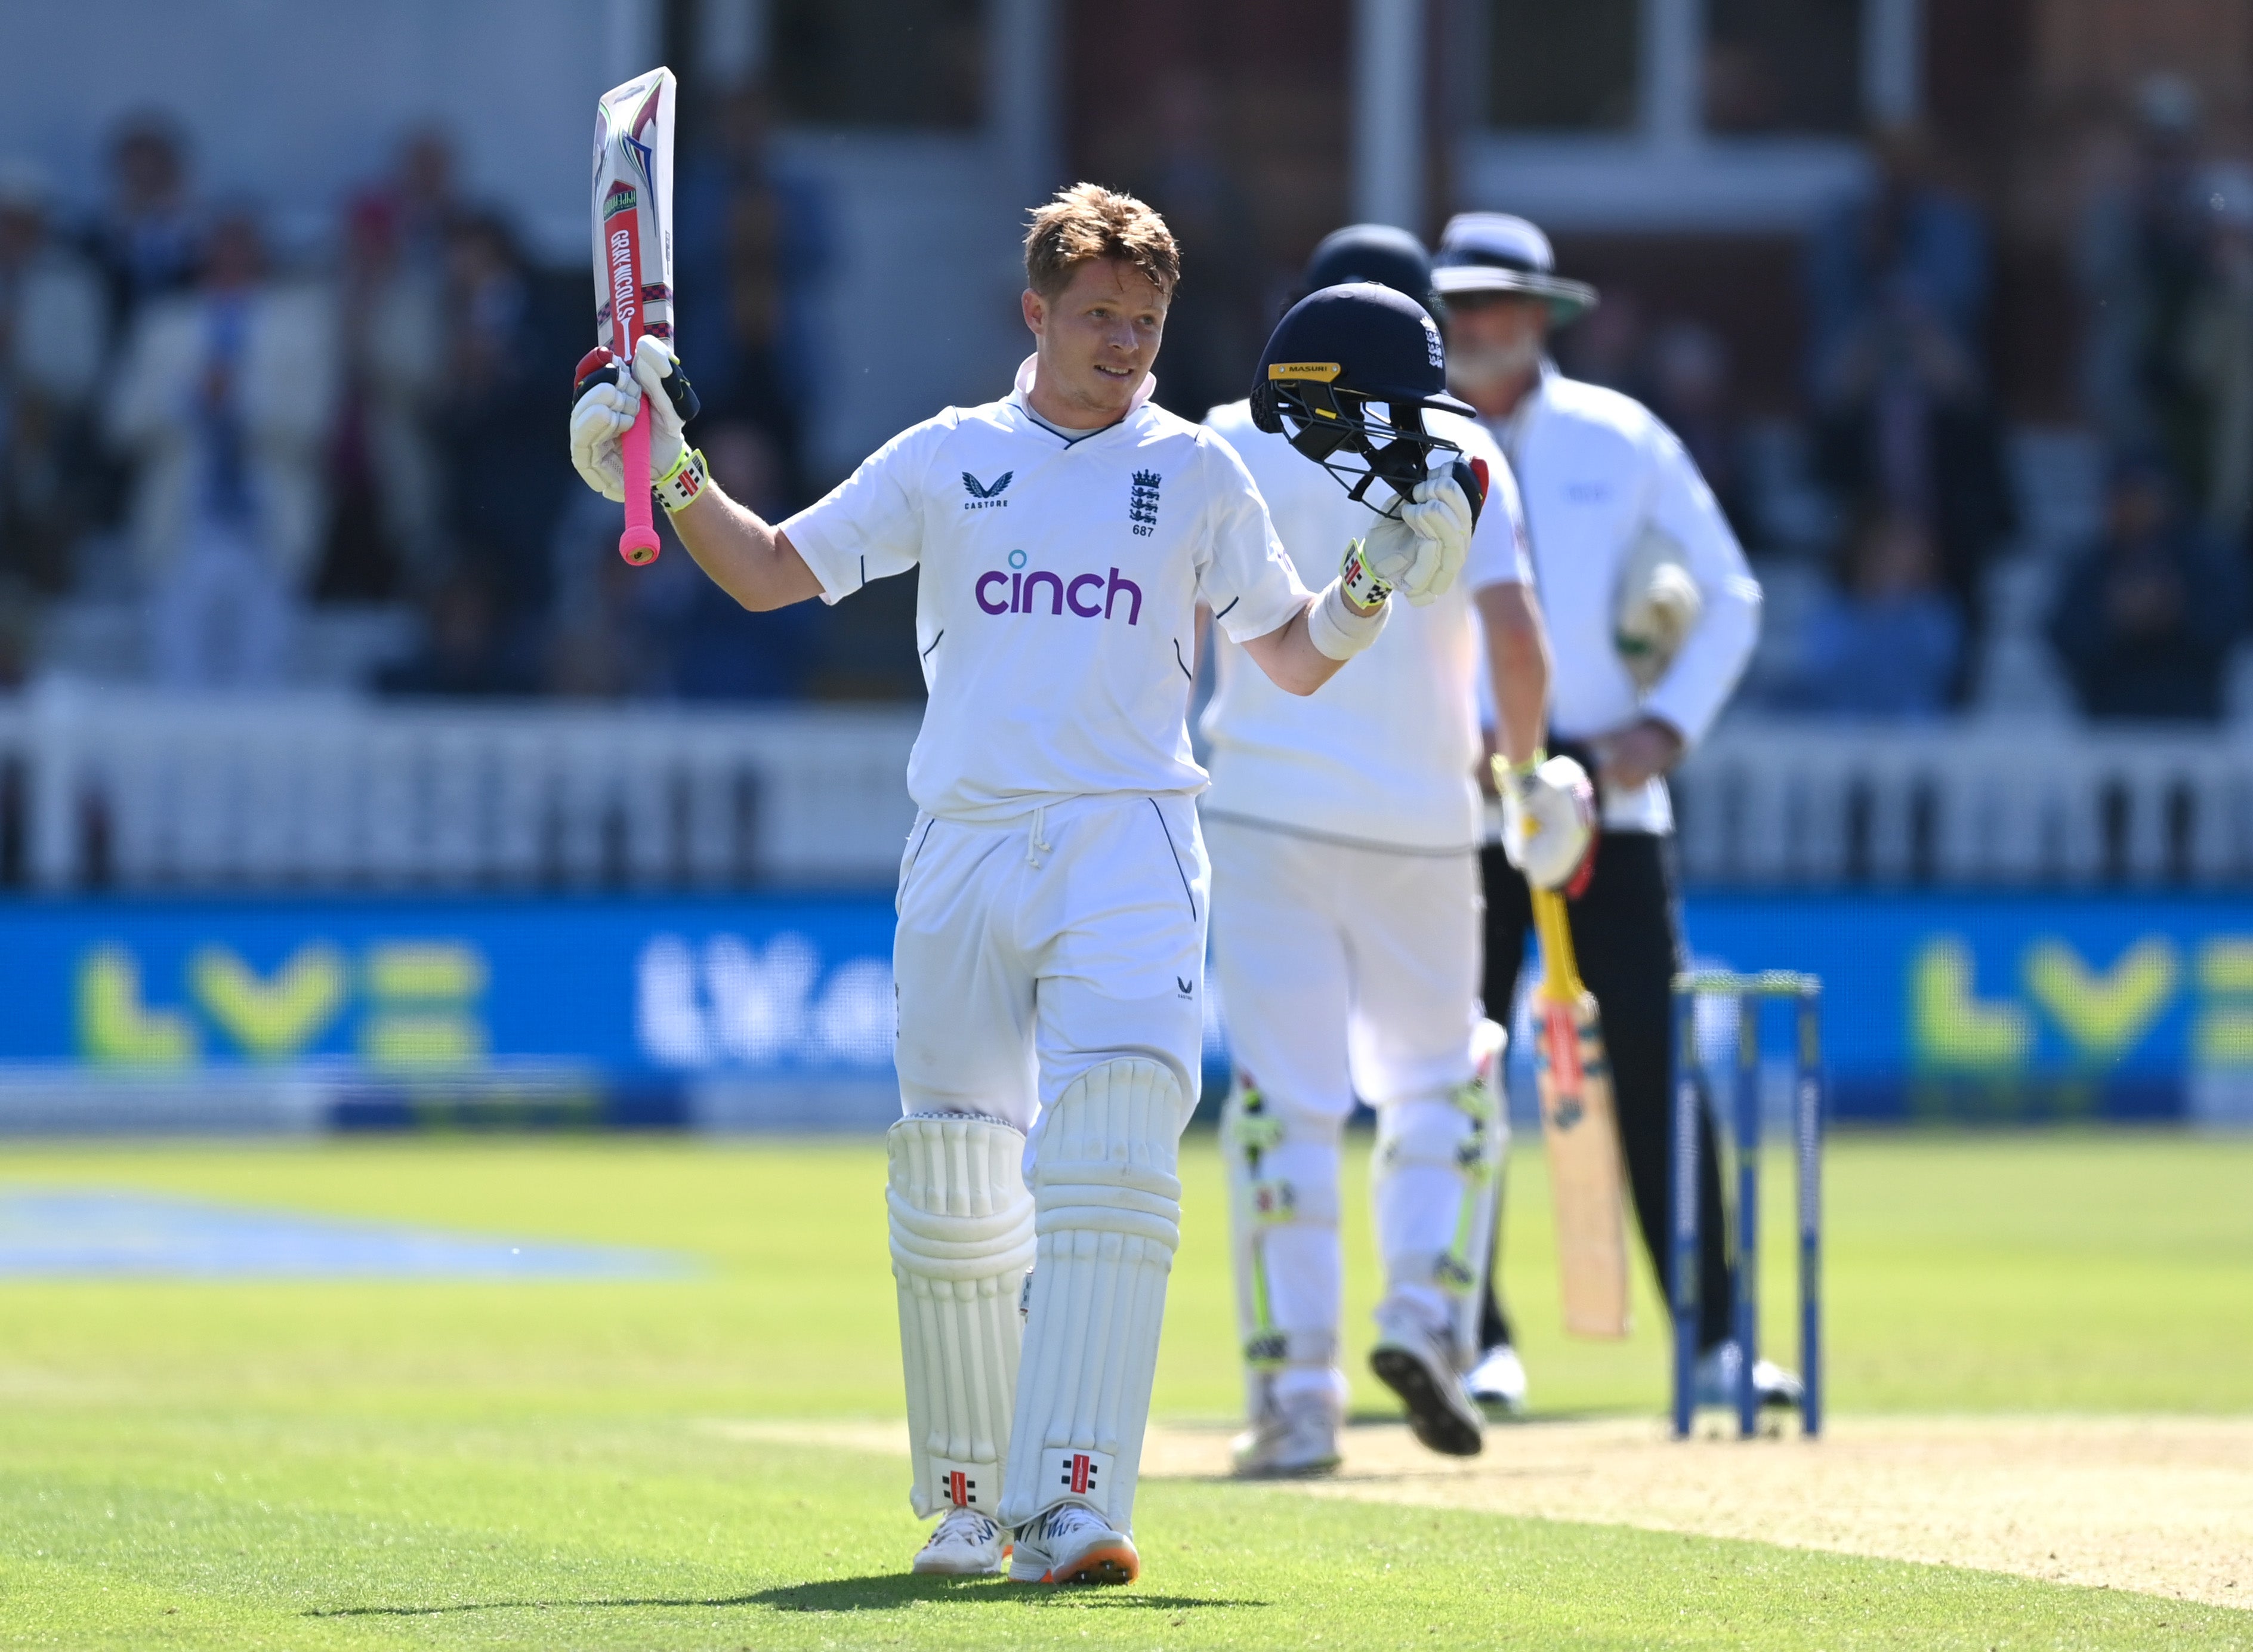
2163	1505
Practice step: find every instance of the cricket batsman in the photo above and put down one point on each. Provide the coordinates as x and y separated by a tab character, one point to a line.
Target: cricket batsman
1052	893
1344	832
1653	613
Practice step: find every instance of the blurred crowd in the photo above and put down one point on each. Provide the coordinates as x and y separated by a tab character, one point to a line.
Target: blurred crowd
1905	444
228	437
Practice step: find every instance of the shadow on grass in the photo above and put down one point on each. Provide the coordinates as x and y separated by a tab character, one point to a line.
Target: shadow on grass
522	1606
1367	1419
884	1591
887	1590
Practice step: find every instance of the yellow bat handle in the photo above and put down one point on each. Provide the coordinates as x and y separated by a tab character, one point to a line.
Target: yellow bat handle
1561	970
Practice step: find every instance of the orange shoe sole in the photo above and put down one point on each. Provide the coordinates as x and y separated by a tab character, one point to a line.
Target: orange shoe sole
1105	1564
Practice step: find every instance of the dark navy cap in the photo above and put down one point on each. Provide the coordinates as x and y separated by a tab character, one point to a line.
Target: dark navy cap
1380	253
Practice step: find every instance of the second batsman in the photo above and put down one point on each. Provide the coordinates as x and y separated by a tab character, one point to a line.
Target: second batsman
1344	832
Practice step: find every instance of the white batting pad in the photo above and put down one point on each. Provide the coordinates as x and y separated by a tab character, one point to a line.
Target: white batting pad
1438	1172
962	1237
1282	1167
1109	1218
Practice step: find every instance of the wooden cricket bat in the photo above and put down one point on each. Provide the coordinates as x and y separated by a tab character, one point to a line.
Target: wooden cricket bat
633	259
1585	1180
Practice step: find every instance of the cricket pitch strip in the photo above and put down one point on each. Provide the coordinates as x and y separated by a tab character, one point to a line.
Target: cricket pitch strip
2162	1505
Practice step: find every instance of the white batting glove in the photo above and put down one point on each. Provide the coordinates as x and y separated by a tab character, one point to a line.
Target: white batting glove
1419	554
1548	818
605	413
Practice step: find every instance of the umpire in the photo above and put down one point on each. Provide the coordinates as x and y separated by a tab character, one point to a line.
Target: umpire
1652	613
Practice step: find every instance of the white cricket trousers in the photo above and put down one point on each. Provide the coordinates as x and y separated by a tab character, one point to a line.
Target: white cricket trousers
1343	971
1028	953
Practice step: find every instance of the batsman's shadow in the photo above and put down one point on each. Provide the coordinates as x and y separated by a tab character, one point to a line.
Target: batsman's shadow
888	1591
528	1605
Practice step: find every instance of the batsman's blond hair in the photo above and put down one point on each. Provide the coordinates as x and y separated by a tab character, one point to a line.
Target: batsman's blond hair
1088	221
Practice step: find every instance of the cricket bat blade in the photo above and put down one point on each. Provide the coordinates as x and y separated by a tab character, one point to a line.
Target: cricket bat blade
1587	1180
633	260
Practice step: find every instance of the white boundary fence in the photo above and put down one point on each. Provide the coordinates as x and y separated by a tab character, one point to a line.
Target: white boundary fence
1773	802
135	790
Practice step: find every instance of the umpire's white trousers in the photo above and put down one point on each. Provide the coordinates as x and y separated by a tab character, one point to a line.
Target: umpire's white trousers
1345	971
1028	953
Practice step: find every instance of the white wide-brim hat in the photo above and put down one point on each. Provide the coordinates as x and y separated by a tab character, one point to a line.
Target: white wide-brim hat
1502	253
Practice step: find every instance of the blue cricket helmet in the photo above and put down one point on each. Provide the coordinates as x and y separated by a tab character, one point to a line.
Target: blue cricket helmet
1334	354
1380	253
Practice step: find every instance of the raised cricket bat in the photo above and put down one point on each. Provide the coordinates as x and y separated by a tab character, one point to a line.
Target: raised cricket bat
633	259
1585	1176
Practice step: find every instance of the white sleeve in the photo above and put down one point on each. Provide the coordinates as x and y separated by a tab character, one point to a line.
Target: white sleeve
1244	574
1483	681
148	398
61	331
1712	657
290	395
871	525
1501	553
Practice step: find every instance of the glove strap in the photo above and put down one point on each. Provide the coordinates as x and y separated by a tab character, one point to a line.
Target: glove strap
1358	581
679	487
1505	771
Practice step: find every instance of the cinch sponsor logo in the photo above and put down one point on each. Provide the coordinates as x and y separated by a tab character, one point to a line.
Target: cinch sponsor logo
1088	596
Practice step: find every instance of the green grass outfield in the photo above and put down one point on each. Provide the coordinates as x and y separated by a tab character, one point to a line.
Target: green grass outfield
332	1464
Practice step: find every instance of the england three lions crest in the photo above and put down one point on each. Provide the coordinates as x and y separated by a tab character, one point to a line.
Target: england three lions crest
1142	503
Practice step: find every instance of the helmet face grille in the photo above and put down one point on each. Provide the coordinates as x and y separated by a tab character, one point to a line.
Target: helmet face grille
1320	423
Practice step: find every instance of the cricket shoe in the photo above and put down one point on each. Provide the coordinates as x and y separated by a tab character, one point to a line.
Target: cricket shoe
1779	1390
1497	1383
1290	1439
965	1545
1069	1544
1419	1365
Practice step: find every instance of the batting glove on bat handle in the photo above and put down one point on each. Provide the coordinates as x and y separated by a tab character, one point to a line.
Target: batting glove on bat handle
604	401
1548	820
598	366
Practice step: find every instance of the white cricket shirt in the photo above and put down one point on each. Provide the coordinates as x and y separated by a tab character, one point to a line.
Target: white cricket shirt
1056	611
1595	467
1382	754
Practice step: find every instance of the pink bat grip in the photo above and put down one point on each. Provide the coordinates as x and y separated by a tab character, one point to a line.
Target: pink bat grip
638	543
